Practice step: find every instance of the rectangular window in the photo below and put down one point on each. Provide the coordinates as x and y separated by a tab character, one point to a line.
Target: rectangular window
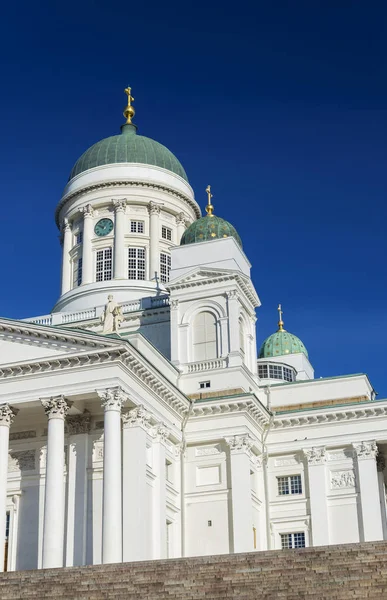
288	374
77	278
165	267
262	371
204	384
292	540
275	372
103	269
136	263
136	226
166	233
289	485
79	237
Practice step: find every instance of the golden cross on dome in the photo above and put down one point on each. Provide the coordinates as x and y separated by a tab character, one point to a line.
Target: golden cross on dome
129	110
280	322
209	207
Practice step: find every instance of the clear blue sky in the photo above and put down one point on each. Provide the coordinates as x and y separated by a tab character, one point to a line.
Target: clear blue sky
280	106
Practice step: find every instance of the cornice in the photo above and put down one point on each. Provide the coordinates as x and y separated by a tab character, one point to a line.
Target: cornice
330	416
223	406
130	183
145	373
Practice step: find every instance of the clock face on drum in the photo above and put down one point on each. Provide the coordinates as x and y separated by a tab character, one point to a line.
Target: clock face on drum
103	227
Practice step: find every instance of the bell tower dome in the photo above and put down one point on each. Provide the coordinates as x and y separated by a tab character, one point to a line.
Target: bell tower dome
126	204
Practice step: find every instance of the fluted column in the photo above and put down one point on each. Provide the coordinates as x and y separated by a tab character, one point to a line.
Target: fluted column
241	501
7	414
87	254
112	400
66	264
154	245
366	453
180	222
136	423
316	458
119	239
161	434
54	503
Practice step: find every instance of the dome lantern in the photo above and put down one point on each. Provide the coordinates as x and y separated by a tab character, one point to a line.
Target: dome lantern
281	342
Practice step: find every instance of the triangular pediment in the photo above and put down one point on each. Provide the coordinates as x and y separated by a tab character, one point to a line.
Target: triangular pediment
203	274
21	341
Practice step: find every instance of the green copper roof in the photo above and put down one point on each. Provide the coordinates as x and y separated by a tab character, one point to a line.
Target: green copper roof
128	148
207	228
281	343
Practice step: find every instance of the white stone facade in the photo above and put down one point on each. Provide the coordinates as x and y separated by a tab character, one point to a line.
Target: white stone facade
161	440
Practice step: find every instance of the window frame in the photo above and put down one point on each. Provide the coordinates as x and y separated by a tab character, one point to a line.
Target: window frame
137	227
77	271
293	543
139	269
286	482
106	262
168	233
164	277
203	385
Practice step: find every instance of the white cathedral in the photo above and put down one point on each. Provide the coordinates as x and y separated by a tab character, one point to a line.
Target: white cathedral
137	419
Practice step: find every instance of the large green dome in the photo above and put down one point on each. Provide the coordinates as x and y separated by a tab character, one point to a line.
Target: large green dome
281	343
207	228
128	148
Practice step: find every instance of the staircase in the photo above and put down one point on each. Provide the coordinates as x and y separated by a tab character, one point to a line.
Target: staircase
331	572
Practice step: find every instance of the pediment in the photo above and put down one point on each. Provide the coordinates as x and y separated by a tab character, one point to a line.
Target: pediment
202	275
21	341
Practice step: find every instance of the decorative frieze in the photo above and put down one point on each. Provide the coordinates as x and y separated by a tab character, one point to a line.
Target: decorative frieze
341	454
287	461
315	456
78	424
56	407
113	398
137	417
21	460
342	479
22	435
7	414
207	450
366	450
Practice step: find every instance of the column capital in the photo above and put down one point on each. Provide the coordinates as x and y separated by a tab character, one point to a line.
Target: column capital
55	407
232	295
120	205
174	304
161	433
137	417
366	450
239	443
7	414
153	208
78	424
180	219
315	456
112	399
87	211
65	227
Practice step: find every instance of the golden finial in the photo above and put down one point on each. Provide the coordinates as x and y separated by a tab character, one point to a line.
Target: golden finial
280	322
129	111
209	207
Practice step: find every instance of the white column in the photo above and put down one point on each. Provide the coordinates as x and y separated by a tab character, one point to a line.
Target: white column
66	263
381	465
180	222
159	533
119	239
242	511
87	253
366	453
316	458
175	355
233	328
135	514
7	414
154	245
54	498
112	401
78	428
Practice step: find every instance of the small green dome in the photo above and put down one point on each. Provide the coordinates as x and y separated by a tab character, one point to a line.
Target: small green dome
207	228
128	148
281	343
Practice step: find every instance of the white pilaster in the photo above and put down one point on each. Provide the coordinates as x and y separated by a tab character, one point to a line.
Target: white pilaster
66	264
223	326
119	239
366	453
159	532
381	465
154	244
316	458
112	401
135	519
233	328
175	355
7	414
180	222
54	499
87	253
242	521
78	428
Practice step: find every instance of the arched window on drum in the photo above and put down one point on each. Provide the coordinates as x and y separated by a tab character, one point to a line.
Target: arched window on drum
204	336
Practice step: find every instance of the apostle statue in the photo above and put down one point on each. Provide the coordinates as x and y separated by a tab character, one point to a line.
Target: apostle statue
112	316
